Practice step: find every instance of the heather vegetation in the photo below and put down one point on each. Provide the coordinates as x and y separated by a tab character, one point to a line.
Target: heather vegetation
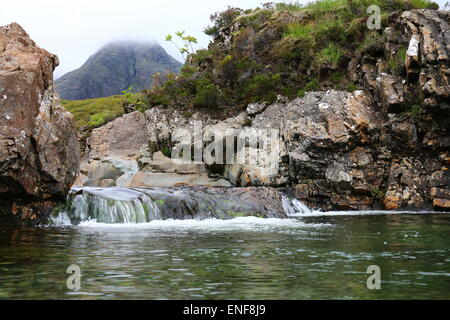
282	48
92	113
96	111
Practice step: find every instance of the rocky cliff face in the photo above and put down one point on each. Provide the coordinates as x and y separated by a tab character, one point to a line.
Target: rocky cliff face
38	143
422	35
385	146
115	68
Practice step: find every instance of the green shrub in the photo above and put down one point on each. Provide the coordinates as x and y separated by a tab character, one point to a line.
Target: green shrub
221	20
298	31
254	18
397	61
330	55
371	40
321	7
377	193
414	102
227	67
414	111
424	4
211	31
351	87
166	151
290	7
207	95
201	56
311	85
330	29
262	87
294	50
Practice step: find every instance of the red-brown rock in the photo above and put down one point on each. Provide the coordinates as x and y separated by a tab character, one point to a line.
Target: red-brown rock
39	151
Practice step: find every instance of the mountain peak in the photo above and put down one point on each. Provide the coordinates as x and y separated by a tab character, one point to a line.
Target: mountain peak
130	44
115	67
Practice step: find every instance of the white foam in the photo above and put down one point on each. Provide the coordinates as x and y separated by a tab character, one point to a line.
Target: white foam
317	213
61	220
240	223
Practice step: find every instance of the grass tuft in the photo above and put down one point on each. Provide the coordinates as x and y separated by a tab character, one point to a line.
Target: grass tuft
330	55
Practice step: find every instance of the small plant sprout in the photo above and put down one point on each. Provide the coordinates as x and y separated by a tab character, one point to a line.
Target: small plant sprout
186	48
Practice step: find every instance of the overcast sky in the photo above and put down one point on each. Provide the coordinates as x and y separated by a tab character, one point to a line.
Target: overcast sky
75	29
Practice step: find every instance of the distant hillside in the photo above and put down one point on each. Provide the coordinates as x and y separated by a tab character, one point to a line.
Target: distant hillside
114	68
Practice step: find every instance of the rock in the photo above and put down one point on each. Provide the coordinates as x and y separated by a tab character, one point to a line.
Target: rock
389	89
352	202
232	173
407	183
425	34
413	59
404	131
148	179
163	124
81	179
392	201
26	212
120	138
254	108
161	163
440	178
107	183
103	171
302	191
39	154
124	180
339	143
130	144
264	199
106	170
314	135
335	173
430	29
440	193
124	165
441	204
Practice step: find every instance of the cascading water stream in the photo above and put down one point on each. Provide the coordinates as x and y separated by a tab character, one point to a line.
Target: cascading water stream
120	206
123	205
294	207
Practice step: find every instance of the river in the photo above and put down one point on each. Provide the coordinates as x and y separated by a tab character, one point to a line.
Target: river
313	255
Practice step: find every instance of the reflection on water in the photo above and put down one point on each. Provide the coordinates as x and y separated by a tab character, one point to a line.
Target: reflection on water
245	258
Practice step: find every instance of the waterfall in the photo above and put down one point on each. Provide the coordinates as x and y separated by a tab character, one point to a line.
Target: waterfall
112	205
294	207
134	205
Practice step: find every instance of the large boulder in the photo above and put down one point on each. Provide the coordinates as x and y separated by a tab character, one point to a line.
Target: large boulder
39	150
122	138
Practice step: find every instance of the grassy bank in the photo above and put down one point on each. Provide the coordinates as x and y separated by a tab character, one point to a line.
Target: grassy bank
91	113
276	49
